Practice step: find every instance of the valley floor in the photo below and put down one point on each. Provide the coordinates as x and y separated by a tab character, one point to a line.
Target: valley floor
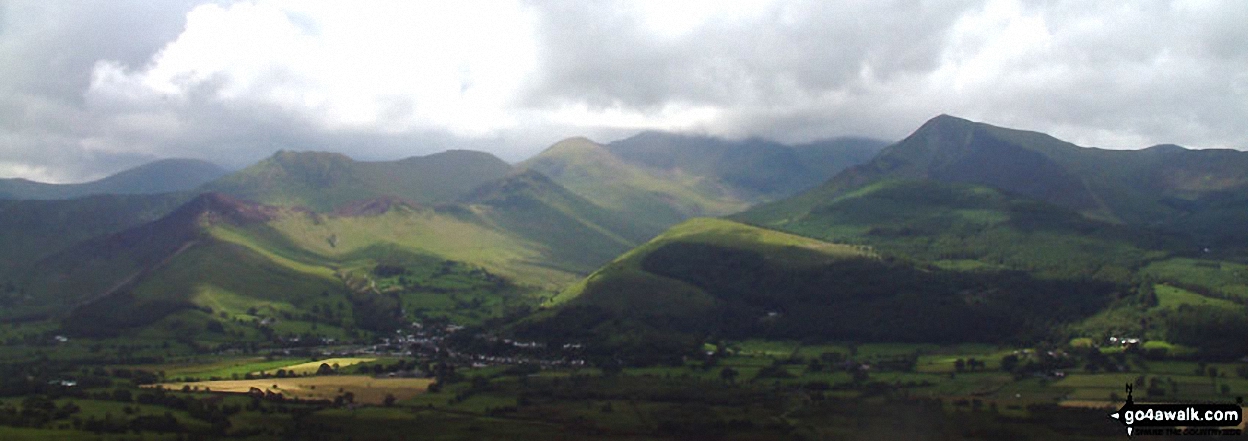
740	390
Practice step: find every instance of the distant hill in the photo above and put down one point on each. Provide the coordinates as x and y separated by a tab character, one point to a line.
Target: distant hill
1194	192
765	169
163	176
658	179
323	181
652	198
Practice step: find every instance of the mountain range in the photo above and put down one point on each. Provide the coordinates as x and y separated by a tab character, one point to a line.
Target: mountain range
266	238
987	234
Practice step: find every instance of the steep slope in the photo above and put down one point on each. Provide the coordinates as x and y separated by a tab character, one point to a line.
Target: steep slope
1157	186
323	181
107	264
163	176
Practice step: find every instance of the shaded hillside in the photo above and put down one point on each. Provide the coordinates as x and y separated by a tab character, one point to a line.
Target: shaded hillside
32	230
721	279
323	181
163	176
109	264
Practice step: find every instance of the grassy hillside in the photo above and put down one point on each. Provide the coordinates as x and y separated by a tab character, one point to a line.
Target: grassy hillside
501	248
720	279
651	197
960	225
220	269
163	176
324	181
453	233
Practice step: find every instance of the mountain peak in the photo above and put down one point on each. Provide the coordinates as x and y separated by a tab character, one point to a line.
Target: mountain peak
945	123
573	145
1165	148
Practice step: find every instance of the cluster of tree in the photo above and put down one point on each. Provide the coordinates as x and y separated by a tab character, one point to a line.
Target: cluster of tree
606	337
377	312
165	423
109	316
36	411
1217	332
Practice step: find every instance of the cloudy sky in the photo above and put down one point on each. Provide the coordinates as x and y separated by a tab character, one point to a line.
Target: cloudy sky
89	87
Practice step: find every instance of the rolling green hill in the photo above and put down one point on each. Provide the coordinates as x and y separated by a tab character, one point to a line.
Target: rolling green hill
323	181
709	279
163	176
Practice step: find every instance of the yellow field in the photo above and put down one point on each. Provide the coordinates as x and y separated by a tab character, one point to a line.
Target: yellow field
367	390
310	367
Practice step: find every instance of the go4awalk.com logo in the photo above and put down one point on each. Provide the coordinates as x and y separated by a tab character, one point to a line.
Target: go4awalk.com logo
1178	419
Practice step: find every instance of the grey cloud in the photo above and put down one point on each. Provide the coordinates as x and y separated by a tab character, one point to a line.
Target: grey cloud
1116	74
597	53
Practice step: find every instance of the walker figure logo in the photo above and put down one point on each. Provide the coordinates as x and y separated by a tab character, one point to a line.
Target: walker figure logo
1198	419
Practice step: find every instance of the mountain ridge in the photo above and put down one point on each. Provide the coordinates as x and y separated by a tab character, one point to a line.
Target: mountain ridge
161	176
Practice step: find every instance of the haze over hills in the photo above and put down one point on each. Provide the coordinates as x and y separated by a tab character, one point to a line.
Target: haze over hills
163	176
999	249
331	219
658	179
757	168
978	223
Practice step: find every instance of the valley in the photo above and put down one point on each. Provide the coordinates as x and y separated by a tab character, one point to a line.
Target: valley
966	282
